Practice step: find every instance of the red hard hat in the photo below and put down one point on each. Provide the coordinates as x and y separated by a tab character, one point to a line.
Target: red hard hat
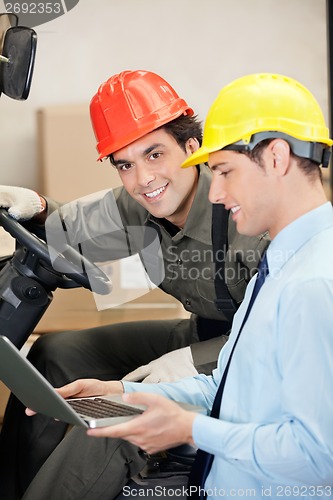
131	104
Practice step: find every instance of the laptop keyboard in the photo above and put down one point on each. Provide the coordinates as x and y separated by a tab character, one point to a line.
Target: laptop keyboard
102	408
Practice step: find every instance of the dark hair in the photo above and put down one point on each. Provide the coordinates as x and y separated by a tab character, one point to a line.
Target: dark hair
181	129
309	167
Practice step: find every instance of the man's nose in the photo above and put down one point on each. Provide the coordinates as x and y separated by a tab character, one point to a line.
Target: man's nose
145	175
217	193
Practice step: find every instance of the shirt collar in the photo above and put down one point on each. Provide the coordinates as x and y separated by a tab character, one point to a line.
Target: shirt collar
296	234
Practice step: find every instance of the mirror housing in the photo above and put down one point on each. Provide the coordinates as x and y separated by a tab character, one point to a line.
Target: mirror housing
17	62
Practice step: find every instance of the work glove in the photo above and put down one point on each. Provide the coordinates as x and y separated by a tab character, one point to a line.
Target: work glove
170	367
22	203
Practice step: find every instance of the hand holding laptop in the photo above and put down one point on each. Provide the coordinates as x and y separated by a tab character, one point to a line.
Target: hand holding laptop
35	392
86	387
163	425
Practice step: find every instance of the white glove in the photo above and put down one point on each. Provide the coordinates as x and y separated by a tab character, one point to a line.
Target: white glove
170	367
22	203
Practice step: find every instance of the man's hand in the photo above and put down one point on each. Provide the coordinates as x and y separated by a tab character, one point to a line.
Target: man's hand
86	387
163	425
170	367
22	203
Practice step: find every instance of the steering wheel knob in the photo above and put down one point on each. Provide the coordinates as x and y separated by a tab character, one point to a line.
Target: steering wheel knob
32	292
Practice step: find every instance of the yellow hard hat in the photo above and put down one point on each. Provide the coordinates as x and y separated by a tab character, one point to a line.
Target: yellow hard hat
264	102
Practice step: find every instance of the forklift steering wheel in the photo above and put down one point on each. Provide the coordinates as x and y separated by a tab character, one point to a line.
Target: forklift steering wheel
74	261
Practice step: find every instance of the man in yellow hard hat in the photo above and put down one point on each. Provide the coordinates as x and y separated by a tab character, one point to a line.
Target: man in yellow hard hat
269	432
146	130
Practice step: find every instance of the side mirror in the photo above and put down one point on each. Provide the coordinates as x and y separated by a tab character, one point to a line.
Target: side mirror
17	62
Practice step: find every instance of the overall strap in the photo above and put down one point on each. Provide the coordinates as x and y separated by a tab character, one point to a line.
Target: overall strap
224	301
151	253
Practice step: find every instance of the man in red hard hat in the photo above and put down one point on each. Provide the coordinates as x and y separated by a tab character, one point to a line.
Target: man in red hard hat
147	131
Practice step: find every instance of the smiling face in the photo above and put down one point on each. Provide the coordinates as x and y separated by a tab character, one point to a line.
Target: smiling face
249	190
151	174
266	196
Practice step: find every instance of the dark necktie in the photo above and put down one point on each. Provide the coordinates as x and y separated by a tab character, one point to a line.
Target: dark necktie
204	460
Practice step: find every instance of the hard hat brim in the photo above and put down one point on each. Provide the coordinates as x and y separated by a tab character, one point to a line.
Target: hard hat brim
200	156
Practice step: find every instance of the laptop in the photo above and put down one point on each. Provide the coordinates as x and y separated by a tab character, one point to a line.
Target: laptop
36	393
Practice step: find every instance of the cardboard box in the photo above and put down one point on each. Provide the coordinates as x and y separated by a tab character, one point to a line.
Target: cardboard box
4	394
67	154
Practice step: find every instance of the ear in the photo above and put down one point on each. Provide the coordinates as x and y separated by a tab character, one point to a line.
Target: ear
280	151
191	145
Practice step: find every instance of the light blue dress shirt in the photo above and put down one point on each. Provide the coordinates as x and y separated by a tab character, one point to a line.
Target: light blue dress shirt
274	438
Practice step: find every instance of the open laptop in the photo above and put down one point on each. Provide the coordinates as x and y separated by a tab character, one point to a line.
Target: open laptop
35	392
